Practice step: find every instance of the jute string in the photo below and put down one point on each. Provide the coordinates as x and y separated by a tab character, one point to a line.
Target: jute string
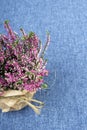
14	100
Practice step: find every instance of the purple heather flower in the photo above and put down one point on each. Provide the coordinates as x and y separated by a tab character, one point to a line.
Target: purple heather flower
21	66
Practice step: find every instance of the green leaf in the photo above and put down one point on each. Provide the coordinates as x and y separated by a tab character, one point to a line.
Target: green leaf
28	73
6	21
23	38
31	34
41	77
44	86
19	82
16	42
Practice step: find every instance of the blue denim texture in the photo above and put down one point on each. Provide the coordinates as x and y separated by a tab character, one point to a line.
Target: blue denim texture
66	99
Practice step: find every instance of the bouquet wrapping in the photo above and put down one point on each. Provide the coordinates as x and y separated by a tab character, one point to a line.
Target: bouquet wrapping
22	69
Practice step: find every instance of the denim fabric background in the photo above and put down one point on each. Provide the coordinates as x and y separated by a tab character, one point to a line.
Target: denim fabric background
66	99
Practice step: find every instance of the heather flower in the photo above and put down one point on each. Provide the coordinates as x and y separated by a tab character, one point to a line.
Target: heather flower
22	63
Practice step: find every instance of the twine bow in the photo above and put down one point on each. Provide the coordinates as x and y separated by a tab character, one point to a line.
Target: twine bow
13	100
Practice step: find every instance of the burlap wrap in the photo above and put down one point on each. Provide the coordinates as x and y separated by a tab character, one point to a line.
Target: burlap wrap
13	100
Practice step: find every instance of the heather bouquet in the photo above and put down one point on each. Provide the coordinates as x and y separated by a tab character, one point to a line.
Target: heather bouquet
22	69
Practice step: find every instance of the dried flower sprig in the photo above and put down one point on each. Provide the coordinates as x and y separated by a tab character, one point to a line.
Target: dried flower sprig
22	63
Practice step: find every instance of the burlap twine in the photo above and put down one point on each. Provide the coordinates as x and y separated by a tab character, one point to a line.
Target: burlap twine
13	100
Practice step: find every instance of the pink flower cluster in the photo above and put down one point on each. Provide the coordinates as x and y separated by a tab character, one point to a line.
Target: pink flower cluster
22	64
